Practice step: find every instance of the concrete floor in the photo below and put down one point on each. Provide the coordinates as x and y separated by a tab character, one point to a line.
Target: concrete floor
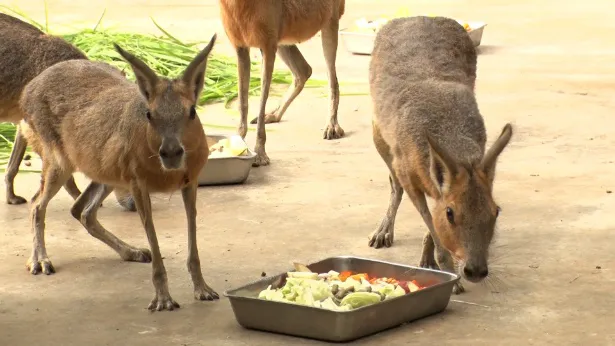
547	66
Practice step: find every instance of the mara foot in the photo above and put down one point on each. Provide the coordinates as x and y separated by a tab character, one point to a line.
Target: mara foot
458	288
15	200
428	261
261	159
137	255
382	236
205	293
270	118
128	203
163	302
334	131
242	131
40	265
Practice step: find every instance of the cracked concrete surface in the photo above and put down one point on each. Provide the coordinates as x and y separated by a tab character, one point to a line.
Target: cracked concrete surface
547	66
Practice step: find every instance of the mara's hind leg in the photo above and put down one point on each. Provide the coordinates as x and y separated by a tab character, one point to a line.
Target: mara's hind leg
53	177
85	210
301	71
385	233
17	154
329	46
269	53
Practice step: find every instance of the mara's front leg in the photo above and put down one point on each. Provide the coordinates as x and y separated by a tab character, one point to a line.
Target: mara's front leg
443	257
201	290
162	300
243	72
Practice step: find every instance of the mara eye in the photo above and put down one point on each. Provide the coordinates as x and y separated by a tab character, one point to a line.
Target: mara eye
148	114
450	215
497	211
192	112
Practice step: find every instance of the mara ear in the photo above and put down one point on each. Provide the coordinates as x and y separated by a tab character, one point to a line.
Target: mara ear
146	78
491	156
442	168
194	75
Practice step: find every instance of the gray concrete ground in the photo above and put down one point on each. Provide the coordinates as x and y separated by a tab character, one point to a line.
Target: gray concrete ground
547	66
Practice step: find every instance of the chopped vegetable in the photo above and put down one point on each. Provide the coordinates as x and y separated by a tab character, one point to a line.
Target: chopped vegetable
228	147
359	299
336	291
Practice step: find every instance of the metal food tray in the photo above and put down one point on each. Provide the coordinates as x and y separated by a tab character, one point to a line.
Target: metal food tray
225	170
363	43
342	326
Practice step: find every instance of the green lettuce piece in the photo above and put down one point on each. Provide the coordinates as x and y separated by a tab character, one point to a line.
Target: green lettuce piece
329	304
274	295
397	292
303	275
384	288
359	299
350	282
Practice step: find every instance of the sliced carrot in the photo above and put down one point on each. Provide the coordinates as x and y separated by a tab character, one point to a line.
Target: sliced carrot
344	275
359	276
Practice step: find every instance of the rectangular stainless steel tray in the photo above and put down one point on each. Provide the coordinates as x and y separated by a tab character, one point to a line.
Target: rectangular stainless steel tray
363	43
225	170
342	326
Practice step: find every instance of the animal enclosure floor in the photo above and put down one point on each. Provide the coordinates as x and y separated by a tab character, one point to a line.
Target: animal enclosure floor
547	66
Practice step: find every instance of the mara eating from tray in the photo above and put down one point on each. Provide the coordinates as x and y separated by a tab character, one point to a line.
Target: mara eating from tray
336	291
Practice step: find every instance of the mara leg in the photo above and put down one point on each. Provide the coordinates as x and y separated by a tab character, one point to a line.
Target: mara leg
384	234
124	198
428	259
71	187
19	149
201	290
261	136
162	299
243	70
53	179
446	263
301	71
329	46
85	210
444	259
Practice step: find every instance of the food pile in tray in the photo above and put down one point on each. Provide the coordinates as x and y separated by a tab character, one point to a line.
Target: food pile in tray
229	147
336	291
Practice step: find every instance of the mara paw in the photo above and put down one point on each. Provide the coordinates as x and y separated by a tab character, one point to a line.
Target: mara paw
163	302
334	131
40	265
382	236
205	293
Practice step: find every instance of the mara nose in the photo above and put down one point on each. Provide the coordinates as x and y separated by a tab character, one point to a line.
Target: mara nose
171	152
475	273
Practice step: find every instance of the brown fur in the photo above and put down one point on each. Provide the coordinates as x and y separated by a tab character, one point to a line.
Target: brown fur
430	133
26	51
145	137
277	26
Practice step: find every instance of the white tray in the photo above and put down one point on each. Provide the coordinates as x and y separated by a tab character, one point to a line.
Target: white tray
363	43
